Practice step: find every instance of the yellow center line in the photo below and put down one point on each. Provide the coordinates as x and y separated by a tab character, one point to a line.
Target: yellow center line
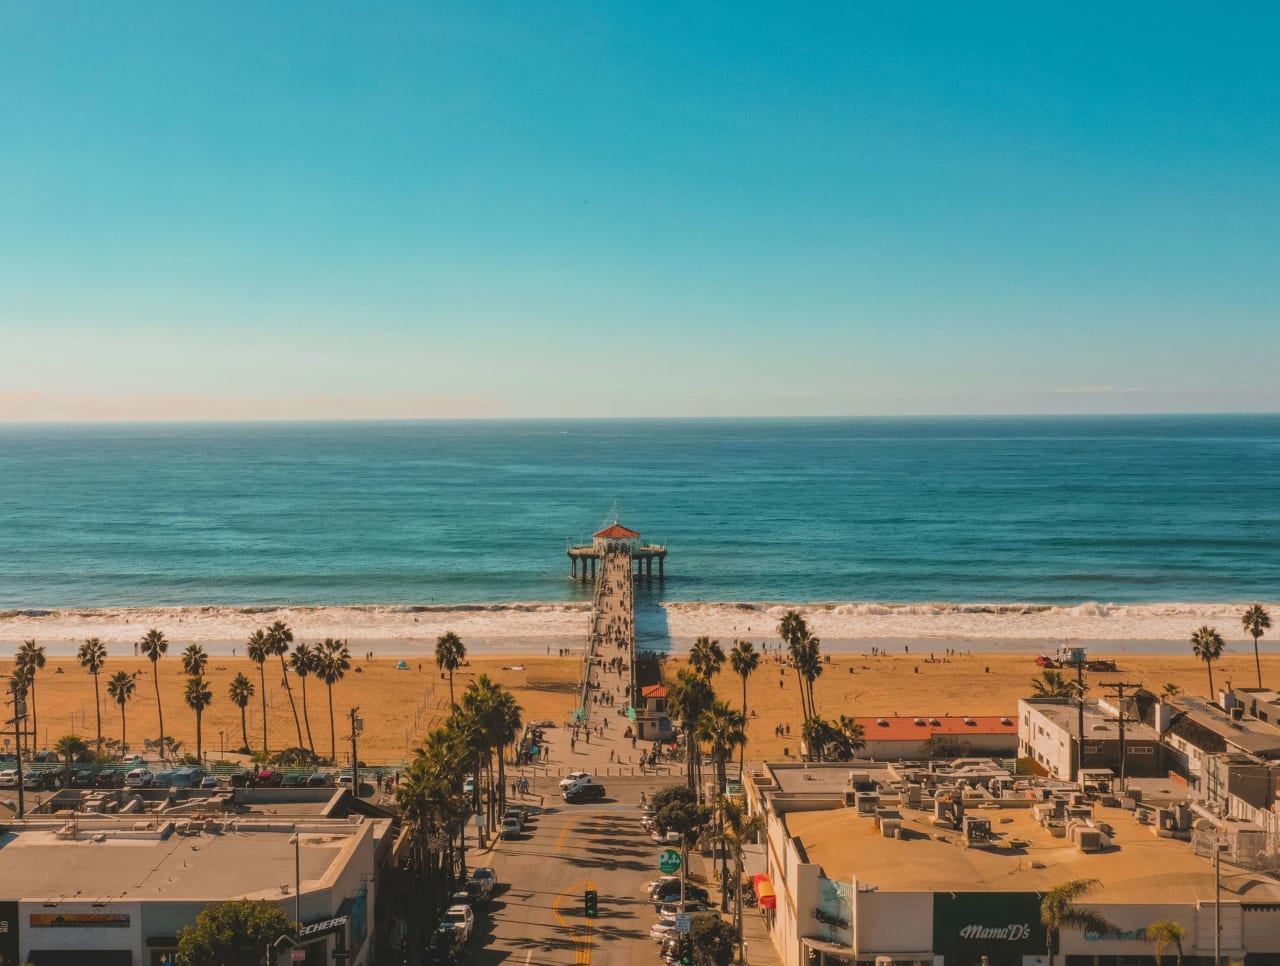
581	936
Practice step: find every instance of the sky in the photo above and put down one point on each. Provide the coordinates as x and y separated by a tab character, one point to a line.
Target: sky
383	210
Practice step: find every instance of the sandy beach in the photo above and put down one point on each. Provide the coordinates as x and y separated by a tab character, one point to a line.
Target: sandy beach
399	706
532	628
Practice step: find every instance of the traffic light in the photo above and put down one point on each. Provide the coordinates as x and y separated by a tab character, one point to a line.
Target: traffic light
685	948
589	902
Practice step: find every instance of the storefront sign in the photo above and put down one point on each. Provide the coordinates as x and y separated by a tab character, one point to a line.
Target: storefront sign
323	926
79	920
8	934
1135	935
1002	926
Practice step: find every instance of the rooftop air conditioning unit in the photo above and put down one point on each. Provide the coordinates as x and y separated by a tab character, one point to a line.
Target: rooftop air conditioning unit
977	830
891	828
866	802
1089	840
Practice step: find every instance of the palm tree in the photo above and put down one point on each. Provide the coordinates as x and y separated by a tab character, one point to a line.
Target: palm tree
241	693
1058	912
687	698
706	657
721	727
1170	690
279	637
807	656
19	687
1164	934
1053	684
793	630
194	661
303	662
450	653
198	697
1207	645
120	689
332	663
1255	621
69	748
744	660
93	657
259	649
738	828
30	658
154	646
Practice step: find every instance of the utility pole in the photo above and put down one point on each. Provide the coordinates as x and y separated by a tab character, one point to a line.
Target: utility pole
1119	688
357	726
19	716
1078	661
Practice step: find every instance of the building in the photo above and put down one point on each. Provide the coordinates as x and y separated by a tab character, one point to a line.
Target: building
887	864
615	538
651	721
1197	731
1048	730
960	736
114	887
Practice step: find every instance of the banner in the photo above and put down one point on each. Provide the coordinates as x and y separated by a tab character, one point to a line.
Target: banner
1000	926
79	920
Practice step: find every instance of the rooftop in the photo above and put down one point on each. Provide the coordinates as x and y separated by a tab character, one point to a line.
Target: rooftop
248	859
915	728
1248	734
1140	868
653	691
1099	725
616	532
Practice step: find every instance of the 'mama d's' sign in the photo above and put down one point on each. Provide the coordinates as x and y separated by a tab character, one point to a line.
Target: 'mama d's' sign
8	934
1002	926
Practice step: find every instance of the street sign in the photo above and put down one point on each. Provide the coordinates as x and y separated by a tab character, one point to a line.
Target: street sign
297	955
668	861
684	923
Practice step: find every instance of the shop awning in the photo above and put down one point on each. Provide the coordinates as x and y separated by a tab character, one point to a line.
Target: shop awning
80	957
764	891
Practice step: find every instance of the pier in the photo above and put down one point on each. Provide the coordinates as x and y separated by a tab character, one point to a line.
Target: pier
616	538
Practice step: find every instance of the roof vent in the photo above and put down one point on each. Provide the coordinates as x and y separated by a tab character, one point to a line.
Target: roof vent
882	723
970	722
1005	721
920	722
934	722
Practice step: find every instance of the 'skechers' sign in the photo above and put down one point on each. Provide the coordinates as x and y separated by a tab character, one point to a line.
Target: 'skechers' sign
323	926
1014	932
998	925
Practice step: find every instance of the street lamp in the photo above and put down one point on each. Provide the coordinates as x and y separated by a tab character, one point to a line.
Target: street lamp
275	946
296	841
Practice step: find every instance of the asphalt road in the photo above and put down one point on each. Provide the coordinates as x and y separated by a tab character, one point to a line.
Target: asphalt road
537	917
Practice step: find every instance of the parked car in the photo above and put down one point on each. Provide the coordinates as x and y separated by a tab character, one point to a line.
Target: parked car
664	927
268	779
295	779
461	920
187	778
673	908
654	886
164	779
240	778
692	893
487	878
9	778
139	778
82	778
321	779
575	778
515	812
469	785
584	793
209	781
38	781
443	948
510	828
665	838
345	779
108	779
471	894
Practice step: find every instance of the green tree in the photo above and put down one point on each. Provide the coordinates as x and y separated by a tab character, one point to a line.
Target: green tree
70	748
19	687
194	661
706	657
333	660
234	933
1206	644
1255	621
450	653
739	828
198	696
676	809
241	693
279	637
303	663
30	659
1164	934
120	689
721	726
687	698
259	648
794	631
714	941
1052	684
93	657
807	656
154	646
1058	911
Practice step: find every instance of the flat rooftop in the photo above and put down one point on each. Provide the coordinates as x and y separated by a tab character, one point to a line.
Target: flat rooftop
36	865
1139	868
1098	725
1247	734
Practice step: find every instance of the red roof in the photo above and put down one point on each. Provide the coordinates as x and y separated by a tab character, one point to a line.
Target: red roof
615	532
917	728
654	691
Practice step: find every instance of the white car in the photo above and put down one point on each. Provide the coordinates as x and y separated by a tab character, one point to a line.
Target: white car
575	778
9	778
139	778
461	920
664	927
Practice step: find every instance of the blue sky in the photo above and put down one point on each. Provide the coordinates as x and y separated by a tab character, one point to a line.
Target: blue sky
380	210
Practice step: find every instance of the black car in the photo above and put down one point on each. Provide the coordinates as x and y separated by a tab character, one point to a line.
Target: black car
584	793
692	893
82	778
108	779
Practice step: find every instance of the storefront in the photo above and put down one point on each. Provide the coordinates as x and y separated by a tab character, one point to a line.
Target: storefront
988	929
81	934
9	950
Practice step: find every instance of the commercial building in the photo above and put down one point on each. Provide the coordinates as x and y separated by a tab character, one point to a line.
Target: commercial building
900	738
1049	735
80	888
883	863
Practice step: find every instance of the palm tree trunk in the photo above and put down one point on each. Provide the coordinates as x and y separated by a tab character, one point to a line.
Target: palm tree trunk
155	667
333	743
307	717
244	726
288	689
199	739
262	681
97	707
451	701
502	781
35	724
1257	660
742	748
124	744
1209	665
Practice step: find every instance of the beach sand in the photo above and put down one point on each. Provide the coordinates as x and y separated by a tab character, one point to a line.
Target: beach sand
399	707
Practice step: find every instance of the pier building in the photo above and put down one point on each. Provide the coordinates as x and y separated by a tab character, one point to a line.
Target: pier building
616	538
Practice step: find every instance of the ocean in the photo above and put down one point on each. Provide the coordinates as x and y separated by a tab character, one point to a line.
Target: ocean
1054	510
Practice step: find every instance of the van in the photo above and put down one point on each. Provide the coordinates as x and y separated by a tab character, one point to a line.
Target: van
584	793
186	778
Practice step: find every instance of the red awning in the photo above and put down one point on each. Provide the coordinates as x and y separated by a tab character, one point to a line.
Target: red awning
764	891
